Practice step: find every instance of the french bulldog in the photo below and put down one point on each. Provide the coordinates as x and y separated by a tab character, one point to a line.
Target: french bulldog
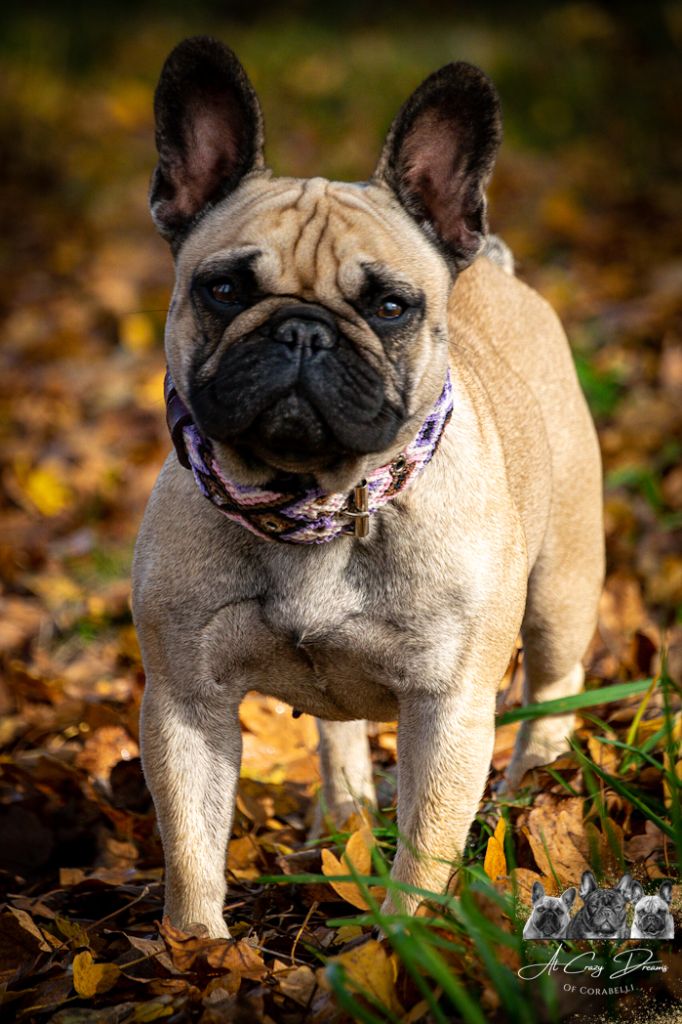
550	915
384	469
653	919
604	913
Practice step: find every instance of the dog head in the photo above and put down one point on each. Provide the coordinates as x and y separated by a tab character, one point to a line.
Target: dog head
652	912
605	910
550	914
307	331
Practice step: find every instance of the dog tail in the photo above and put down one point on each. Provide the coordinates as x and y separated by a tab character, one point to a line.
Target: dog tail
499	252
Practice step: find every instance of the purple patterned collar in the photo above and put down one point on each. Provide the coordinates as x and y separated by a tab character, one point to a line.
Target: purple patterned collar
292	515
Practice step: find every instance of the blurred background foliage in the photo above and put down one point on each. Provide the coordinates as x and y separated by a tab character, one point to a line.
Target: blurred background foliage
586	192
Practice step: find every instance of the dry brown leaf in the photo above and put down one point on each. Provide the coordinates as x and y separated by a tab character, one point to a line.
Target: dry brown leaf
523	880
297	983
556	836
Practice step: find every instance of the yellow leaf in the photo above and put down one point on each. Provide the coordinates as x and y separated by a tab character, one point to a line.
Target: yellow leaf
90	978
495	863
358	853
368	968
675	770
136	332
73	930
46	489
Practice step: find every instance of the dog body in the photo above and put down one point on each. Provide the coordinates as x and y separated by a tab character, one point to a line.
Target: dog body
604	914
416	621
653	919
550	915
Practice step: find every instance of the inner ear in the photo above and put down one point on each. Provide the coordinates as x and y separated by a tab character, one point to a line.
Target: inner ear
209	133
625	886
588	884
439	155
537	892
568	897
666	891
636	892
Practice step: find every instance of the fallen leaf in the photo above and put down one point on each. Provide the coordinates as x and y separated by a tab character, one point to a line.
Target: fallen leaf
358	853
89	978
495	863
298	984
368	968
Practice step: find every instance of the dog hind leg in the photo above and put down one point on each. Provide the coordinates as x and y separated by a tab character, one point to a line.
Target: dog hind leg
560	618
346	766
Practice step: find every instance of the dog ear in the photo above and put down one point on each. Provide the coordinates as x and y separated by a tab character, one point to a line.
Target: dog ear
537	892
439	155
588	883
209	133
625	886
568	897
636	892
666	891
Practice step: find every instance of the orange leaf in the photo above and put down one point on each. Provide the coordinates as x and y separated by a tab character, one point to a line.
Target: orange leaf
495	863
358	853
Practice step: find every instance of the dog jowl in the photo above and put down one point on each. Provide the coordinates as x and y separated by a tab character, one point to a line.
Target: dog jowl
385	469
604	911
550	916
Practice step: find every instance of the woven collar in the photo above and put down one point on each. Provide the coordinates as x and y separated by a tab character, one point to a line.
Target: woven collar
285	513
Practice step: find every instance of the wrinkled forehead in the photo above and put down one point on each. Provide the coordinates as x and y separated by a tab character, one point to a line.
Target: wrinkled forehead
315	238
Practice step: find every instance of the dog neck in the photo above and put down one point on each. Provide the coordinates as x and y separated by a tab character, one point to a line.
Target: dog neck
296	515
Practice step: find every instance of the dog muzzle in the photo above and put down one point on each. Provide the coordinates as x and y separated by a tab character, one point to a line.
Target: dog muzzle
302	516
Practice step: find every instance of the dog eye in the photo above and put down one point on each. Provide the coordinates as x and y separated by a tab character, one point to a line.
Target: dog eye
390	309
223	291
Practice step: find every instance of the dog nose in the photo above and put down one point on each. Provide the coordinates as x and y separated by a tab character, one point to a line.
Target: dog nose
302	333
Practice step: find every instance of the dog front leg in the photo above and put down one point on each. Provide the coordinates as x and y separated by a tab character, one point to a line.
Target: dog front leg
445	745
191	755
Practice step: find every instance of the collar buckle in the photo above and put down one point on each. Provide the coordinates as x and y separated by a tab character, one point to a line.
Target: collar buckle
360	510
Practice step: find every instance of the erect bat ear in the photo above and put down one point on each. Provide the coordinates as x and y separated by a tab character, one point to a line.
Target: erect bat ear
209	133
625	886
439	154
636	892
538	892
666	891
568	897
588	883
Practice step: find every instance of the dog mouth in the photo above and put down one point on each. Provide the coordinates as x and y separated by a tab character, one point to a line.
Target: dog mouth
290	434
549	922
298	404
651	923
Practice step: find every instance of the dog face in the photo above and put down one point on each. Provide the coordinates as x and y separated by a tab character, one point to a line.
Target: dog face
604	914
550	915
652	919
307	327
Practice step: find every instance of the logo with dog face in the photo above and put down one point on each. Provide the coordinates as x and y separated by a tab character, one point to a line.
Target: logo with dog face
604	914
550	915
653	919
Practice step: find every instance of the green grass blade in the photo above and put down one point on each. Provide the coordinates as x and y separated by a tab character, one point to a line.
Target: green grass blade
588	699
